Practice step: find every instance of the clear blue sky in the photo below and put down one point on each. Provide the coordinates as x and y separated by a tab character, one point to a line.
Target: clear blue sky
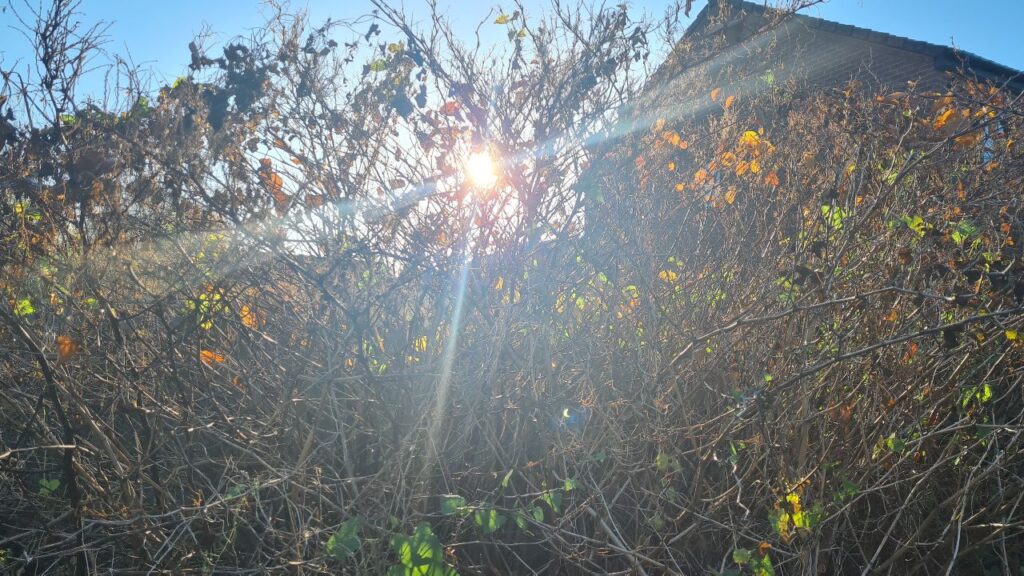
156	33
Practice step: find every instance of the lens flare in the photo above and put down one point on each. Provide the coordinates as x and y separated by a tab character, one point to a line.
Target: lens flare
481	169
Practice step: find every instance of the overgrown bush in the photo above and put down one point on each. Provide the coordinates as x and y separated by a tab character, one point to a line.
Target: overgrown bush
261	322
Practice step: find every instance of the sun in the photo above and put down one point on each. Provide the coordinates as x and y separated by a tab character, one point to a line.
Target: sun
481	169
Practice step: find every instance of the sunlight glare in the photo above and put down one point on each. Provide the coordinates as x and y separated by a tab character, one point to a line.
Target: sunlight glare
481	169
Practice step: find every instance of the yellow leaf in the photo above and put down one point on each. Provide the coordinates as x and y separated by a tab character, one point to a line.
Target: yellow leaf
671	166
66	347
730	194
750	138
503	19
249	317
794	502
942	119
420	344
680	187
668	275
1011	335
755	167
500	283
209	357
700	177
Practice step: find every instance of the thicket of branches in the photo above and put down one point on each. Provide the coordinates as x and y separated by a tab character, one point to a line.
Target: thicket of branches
262	322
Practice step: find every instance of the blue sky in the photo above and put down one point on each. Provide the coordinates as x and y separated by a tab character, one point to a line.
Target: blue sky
156	34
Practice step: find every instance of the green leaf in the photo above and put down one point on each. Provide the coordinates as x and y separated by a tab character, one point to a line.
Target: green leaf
895	444
48	486
402	545
570	484
345	540
741	556
666	464
846	490
452	503
235	491
378	65
553	499
985	394
508	476
780	522
422	548
763	566
521	521
68	119
489	520
917	224
537	512
24	307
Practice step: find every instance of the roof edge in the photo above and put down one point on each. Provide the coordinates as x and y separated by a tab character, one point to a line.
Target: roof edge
946	58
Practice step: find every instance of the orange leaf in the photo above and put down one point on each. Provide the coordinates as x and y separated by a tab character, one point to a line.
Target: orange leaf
250	317
942	119
715	93
450	108
772	179
66	348
969	139
208	357
314	200
729	102
911	352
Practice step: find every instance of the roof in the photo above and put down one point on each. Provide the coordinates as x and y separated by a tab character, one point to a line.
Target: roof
945	58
